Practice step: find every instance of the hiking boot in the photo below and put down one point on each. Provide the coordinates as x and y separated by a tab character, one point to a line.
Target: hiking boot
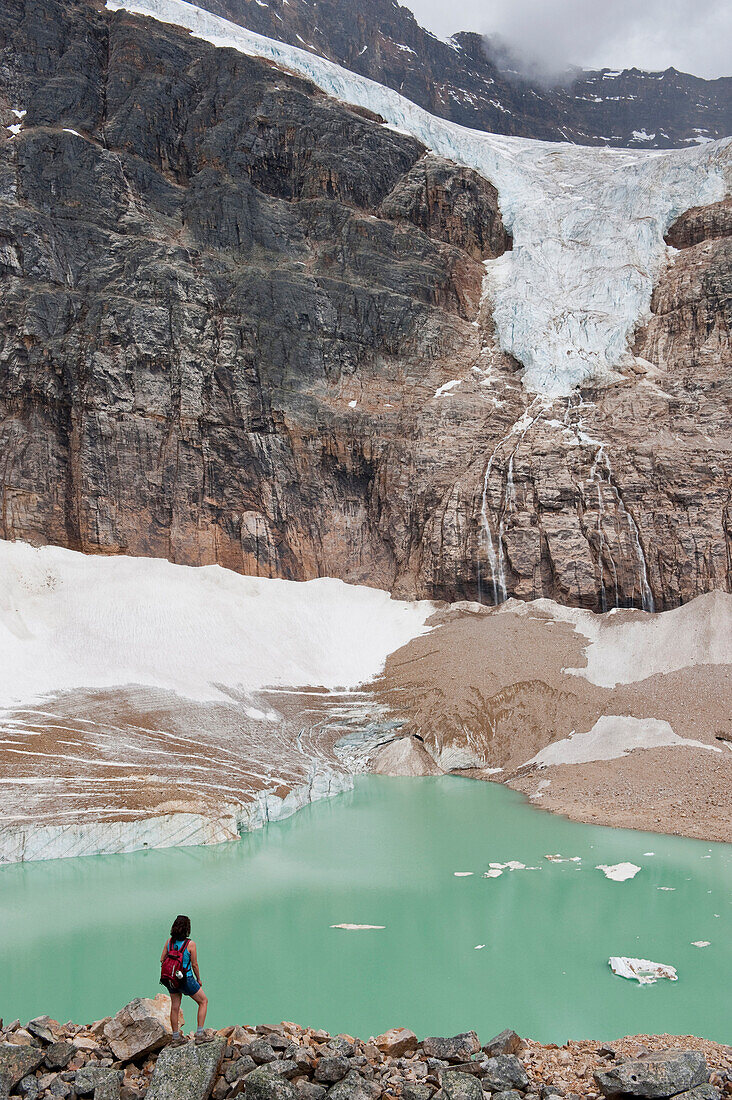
179	1041
204	1037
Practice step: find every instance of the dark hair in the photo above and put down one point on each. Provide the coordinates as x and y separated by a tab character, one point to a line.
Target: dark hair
181	928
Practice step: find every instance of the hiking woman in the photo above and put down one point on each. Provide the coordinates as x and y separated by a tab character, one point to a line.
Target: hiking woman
179	974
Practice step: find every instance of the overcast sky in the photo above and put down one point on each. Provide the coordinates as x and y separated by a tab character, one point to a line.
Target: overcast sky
691	35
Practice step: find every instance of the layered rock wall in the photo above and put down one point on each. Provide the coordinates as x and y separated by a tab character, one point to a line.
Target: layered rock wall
241	323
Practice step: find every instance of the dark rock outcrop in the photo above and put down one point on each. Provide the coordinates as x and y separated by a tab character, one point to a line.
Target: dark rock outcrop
659	1075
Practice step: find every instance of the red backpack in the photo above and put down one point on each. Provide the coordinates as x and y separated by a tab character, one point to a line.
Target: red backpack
171	969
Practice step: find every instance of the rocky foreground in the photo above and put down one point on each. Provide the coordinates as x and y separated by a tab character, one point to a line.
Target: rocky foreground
128	1056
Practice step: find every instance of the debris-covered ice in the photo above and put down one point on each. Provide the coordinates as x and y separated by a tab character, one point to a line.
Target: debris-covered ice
641	970
618	872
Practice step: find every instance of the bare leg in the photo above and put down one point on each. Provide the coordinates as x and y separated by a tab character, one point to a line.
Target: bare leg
175	999
202	1001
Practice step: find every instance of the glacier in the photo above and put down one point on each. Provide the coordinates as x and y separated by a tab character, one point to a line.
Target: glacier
587	222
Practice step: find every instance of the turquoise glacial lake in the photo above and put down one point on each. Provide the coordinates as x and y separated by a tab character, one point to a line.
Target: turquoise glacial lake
528	949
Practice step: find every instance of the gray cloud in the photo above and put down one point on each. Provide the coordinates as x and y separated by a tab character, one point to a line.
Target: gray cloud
691	35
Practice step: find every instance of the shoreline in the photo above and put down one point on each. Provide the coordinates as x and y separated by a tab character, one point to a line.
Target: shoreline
129	1057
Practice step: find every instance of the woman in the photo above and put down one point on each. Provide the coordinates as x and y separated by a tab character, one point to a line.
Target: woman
180	974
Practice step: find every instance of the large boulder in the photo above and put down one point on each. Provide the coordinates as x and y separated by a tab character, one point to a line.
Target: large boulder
263	1084
658	1075
187	1072
330	1070
16	1062
396	1042
459	1086
97	1079
503	1073
139	1028
507	1042
58	1055
459	1048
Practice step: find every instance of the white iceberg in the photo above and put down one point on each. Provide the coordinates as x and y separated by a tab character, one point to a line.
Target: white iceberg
641	970
357	927
618	872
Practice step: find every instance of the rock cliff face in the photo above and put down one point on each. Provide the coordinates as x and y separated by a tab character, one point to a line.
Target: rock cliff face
467	80
242	323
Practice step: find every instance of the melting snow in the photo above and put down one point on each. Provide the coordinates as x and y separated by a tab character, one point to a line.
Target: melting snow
618	872
641	970
587	223
611	737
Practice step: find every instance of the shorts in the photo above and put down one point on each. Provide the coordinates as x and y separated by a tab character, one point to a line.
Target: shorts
188	986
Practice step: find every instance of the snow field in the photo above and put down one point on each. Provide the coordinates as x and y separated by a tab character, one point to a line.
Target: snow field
587	223
71	621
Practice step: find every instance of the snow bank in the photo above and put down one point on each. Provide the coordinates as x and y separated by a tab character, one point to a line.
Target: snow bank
587	223
611	737
624	647
70	621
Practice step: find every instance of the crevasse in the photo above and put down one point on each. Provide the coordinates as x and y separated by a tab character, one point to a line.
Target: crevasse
587	223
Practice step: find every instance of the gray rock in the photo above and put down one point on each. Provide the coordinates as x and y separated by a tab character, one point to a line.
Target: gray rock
58	1055
459	1048
60	1088
16	1063
136	1030
701	1092
186	1072
658	1075
260	1050
29	1087
285	1067
330	1070
509	1094
263	1084
459	1086
308	1090
416	1092
507	1042
90	1078
238	1069
41	1028
504	1073
354	1087
301	1055
341	1048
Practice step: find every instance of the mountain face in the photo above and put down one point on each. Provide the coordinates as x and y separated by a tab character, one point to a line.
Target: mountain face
462	79
244	323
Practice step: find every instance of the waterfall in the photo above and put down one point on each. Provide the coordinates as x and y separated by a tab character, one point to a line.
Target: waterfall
507	504
603	479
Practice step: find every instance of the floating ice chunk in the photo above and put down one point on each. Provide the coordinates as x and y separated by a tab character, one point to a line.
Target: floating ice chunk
494	872
479	946
649	853
447	386
641	970
563	859
670	889
701	943
618	872
463	874
512	865
357	927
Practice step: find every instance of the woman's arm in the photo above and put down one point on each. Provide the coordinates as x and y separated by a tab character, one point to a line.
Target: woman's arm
194	959
165	951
